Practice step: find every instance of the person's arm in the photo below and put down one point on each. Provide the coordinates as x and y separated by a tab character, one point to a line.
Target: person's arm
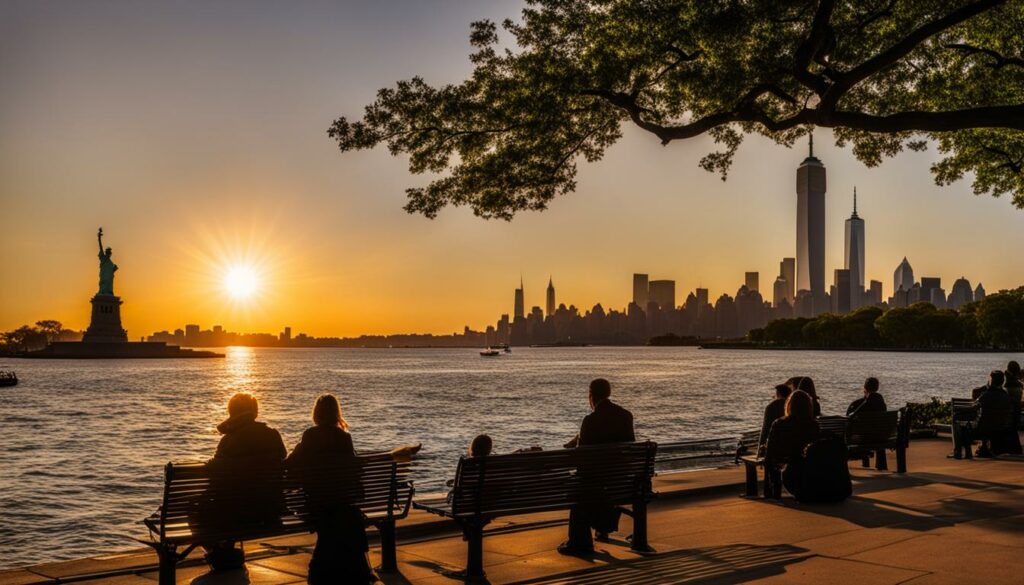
281	452
573	442
632	430
773	446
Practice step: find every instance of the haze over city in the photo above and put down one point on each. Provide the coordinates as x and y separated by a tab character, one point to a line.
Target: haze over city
196	136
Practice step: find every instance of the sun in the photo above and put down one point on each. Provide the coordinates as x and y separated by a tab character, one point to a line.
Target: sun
241	282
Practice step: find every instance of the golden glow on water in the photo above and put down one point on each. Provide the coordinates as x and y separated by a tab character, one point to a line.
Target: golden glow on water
239	372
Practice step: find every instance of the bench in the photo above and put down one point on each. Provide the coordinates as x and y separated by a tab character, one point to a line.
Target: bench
749	453
963	418
877	432
206	503
543	481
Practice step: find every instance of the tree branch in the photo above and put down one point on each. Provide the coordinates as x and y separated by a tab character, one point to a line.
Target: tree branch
844	82
1000	60
810	48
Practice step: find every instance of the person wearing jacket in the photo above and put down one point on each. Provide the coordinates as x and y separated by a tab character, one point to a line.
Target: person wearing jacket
788	438
872	401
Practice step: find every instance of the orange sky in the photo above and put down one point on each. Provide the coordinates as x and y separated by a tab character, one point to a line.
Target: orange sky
195	136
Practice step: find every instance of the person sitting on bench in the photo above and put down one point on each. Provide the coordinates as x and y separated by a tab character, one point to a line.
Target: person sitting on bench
807	385
608	423
775	410
340	555
249	448
994	412
788	438
871	402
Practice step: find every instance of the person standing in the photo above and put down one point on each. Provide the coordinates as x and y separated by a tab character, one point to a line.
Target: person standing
326	449
607	423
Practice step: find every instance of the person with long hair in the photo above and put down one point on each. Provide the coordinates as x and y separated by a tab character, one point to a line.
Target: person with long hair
340	555
789	436
806	384
1014	385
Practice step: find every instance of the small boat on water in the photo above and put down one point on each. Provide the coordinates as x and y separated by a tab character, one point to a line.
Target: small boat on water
490	352
8	378
503	347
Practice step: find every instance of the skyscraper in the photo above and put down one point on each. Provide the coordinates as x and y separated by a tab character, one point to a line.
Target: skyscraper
810	228
663	292
979	293
960	294
751	280
903	277
841	296
780	292
640	293
551	298
520	306
854	255
787	270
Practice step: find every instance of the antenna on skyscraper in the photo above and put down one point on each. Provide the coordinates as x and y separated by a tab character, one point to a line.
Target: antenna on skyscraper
811	147
855	201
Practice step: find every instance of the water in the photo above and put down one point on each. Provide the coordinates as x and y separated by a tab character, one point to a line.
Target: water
82	443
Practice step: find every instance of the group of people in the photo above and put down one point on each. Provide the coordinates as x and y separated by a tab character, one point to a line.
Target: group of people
999	409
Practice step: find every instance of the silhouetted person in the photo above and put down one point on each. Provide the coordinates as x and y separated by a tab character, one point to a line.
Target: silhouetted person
250	451
994	412
481	446
775	410
788	438
1015	388
608	423
326	449
807	385
872	401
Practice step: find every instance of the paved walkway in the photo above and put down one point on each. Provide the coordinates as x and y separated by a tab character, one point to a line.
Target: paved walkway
945	522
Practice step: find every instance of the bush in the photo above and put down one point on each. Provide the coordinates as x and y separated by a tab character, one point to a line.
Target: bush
934	412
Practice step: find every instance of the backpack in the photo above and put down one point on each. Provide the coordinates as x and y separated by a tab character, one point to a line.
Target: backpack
826	474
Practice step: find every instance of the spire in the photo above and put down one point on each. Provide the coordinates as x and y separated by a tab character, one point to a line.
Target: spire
551	283
810	153
854	203
520	282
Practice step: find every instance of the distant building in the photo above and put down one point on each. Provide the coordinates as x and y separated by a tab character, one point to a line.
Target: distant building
519	310
787	270
903	277
640	290
937	297
191	335
663	293
810	227
979	293
854	255
874	294
960	294
928	284
780	292
286	335
841	301
702	296
551	298
751	279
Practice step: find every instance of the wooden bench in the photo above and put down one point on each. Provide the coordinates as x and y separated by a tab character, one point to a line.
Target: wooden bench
749	453
964	417
207	503
877	432
542	481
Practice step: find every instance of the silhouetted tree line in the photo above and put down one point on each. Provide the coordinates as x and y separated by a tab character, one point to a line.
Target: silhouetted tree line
29	338
995	322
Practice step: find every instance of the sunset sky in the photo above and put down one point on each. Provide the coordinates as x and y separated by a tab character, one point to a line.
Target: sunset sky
195	134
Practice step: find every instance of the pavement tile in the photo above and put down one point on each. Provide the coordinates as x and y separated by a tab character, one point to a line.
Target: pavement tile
22	577
254	575
950	554
817	570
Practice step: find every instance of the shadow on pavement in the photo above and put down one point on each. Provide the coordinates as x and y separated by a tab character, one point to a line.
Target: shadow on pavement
734	563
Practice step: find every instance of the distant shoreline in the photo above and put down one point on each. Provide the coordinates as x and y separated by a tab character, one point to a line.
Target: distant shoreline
741	346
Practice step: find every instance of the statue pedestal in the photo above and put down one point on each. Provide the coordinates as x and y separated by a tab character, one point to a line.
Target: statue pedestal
105	325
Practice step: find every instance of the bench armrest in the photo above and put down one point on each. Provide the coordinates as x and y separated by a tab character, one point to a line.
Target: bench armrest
439	506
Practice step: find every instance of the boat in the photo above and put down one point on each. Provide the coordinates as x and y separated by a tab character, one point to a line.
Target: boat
503	347
489	352
8	378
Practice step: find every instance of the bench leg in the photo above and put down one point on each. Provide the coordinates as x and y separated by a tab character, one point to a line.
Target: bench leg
168	565
473	532
967	441
388	544
881	460
776	482
865	460
639	543
752	480
901	459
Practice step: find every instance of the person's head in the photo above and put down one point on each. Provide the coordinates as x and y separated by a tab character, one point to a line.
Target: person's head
327	413
807	385
1013	370
800	405
243	403
995	379
782	391
600	389
794	382
480	446
870	386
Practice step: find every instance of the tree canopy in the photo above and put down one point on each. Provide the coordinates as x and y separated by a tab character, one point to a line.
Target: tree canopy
884	75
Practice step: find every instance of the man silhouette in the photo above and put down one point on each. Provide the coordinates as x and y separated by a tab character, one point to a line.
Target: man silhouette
608	423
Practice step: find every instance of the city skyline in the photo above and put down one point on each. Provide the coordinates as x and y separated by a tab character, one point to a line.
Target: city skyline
190	177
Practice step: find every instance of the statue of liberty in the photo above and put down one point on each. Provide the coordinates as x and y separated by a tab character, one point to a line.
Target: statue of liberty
107	268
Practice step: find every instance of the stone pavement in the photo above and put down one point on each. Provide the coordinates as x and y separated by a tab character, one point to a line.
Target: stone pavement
944	522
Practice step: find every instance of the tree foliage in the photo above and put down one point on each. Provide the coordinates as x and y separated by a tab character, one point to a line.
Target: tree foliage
884	75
